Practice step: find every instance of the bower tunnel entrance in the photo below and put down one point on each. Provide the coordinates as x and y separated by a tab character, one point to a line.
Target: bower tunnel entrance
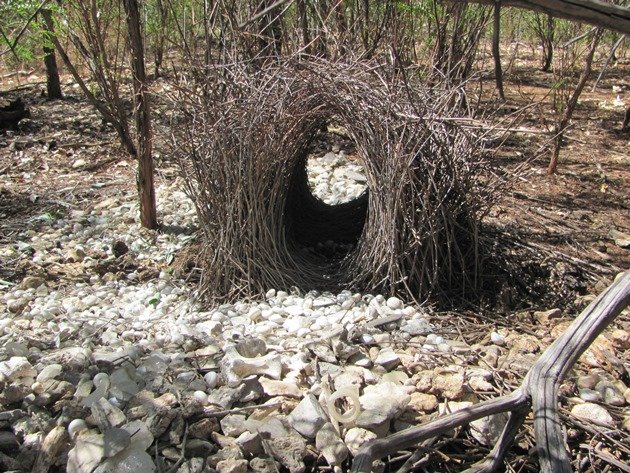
280	207
327	203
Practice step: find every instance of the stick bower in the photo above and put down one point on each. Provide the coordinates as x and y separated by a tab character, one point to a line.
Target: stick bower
243	142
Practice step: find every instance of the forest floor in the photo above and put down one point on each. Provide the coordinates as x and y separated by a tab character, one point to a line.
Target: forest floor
575	225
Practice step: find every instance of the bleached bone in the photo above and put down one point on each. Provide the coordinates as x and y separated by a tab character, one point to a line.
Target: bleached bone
235	367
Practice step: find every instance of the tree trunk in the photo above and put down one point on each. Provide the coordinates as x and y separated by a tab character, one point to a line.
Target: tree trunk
53	84
626	120
303	19
496	53
161	39
146	189
547	44
572	103
342	27
121	127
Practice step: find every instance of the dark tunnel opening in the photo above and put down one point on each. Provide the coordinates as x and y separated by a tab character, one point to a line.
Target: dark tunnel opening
327	232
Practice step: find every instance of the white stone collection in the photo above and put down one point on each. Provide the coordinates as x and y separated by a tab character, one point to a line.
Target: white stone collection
116	351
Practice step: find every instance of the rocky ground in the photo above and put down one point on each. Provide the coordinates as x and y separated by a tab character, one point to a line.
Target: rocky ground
108	364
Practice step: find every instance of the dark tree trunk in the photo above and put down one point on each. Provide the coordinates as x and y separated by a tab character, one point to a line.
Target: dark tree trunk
496	53
303	19
547	44
161	39
146	188
342	27
53	84
626	120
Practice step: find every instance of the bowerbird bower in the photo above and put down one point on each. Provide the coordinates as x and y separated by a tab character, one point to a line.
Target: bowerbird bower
243	140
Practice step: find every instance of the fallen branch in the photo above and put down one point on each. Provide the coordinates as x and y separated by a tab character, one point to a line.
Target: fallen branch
538	392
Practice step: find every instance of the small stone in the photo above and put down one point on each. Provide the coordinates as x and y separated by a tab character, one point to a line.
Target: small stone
308	417
202	429
49	372
129	460
16	349
106	415
121	385
593	413
251	347
544	317
449	382
423	380
394	303
17	306
360	359
140	435
375	420
75	255
588	381
232	466
356	437
233	425
383	401
416	327
626	423
487	430
199	448
523	343
115	441
387	358
71	358
620	339
610	394
79	163
590	395
497	339
211	378
87	453
32	282
272	387
14	393
16	367
478	383
250	443
200	397
330	445
76	426
263	465
53	444
290	451
421	402
8	441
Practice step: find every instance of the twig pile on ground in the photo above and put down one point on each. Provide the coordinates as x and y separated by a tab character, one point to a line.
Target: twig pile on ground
244	143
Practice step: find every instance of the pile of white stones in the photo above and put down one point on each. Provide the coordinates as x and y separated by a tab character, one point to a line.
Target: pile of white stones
334	178
124	372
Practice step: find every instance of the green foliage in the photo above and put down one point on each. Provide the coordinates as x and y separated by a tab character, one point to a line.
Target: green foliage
19	15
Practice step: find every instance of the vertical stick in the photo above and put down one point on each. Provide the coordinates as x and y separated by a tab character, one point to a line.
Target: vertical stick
146	189
53	85
496	53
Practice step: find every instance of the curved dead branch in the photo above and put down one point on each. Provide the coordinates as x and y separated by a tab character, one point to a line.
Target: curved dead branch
539	392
